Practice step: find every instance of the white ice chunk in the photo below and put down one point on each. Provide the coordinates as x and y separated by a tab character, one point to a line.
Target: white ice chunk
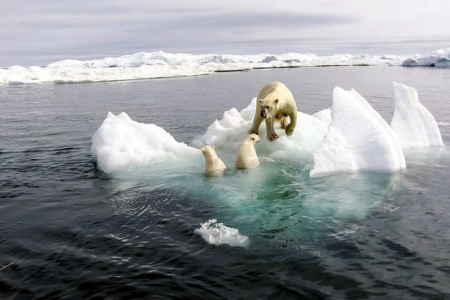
121	144
413	124
218	234
358	138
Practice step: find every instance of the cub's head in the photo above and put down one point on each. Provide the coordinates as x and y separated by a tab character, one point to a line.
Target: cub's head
253	138
208	150
268	107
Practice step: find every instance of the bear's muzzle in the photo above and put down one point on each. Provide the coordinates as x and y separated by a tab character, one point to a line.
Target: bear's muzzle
263	113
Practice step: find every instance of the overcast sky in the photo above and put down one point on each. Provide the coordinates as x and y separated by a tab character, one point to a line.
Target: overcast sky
37	32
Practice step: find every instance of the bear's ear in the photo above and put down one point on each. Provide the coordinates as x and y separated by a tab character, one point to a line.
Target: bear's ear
252	138
276	101
260	101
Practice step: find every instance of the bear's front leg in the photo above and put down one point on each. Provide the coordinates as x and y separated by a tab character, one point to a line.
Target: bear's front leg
256	123
271	134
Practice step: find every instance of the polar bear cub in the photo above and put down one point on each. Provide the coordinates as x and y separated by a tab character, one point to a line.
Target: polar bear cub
213	164
246	156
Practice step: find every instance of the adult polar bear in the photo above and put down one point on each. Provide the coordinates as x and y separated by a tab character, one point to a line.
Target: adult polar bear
275	103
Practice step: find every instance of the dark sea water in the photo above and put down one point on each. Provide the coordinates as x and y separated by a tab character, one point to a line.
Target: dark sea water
68	231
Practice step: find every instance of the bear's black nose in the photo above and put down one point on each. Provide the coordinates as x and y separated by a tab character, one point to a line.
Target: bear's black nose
263	114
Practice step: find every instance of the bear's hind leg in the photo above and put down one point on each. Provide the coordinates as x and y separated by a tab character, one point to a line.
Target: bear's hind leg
293	123
282	120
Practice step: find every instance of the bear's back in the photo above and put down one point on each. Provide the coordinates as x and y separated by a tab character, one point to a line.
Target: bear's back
275	87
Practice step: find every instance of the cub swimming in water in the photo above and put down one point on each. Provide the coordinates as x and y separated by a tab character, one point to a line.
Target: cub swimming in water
213	164
246	157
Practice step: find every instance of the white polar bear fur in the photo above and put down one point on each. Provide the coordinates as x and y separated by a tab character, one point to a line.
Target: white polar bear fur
275	103
246	156
213	164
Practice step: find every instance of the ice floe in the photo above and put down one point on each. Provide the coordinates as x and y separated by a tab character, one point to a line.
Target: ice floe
413	124
348	137
215	233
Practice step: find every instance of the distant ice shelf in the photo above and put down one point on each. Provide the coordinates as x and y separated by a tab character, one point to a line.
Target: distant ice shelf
439	58
159	64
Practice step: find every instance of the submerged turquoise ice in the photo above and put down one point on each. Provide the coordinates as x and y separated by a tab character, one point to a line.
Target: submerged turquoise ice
279	203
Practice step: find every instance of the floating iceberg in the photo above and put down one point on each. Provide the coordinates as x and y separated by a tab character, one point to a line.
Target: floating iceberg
349	137
439	58
121	144
218	234
413	124
358	138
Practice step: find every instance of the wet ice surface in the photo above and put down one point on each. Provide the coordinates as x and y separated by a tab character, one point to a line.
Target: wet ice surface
74	232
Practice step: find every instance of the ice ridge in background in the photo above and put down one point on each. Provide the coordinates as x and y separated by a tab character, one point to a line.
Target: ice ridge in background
215	233
159	64
439	58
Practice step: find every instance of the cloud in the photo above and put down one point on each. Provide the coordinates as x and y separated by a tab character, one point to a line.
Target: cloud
275	20
39	32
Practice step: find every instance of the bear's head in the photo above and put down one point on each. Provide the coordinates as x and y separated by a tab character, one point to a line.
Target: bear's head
253	138
268	107
208	150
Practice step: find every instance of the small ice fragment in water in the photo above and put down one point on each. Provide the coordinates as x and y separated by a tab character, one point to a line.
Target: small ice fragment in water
217	234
